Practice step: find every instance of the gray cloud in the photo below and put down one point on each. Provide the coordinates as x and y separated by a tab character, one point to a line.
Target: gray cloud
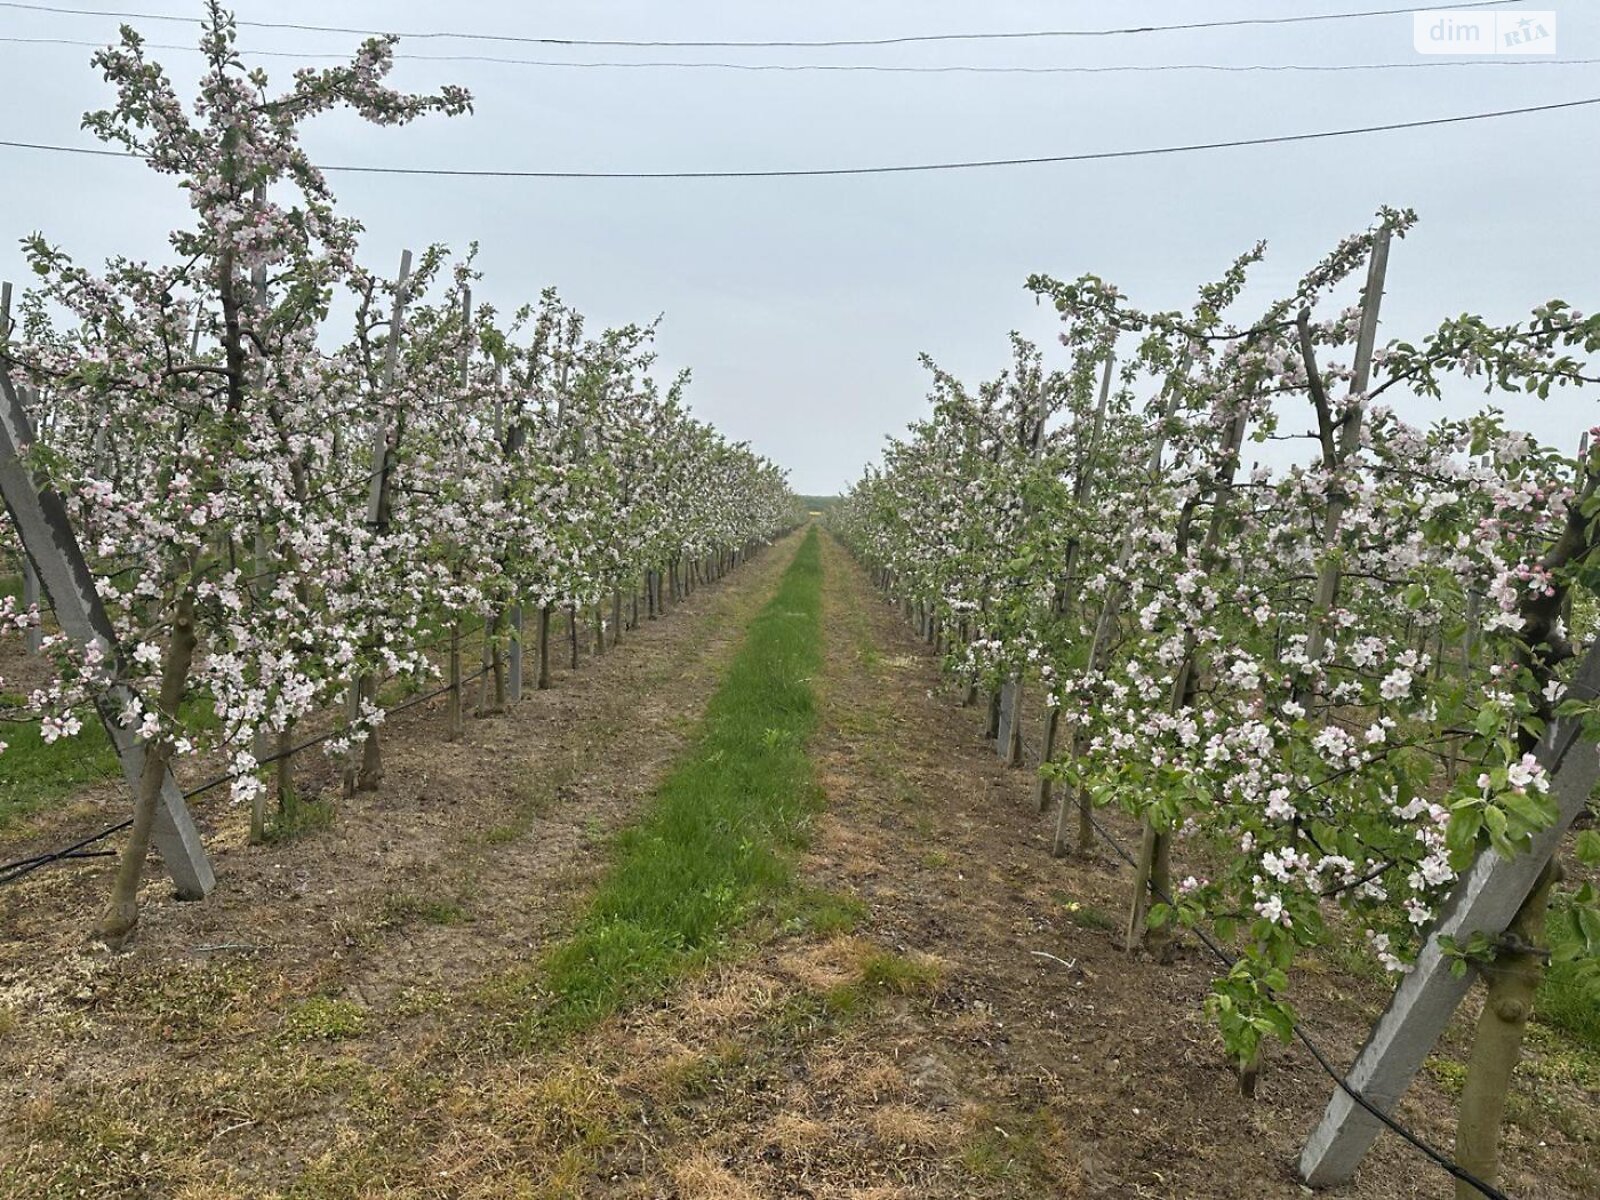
801	304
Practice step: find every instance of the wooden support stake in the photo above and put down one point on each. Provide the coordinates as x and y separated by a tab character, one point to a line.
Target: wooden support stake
455	724
1484	901
544	648
1008	742
30	599
455	702
514	657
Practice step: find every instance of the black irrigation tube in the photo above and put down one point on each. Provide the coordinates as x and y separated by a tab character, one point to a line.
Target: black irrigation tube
1439	1158
13	871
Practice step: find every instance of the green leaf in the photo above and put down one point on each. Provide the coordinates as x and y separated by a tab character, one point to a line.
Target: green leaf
1588	920
1534	811
1462	832
1588	848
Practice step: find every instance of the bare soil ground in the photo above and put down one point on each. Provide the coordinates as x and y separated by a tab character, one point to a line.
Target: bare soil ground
939	1010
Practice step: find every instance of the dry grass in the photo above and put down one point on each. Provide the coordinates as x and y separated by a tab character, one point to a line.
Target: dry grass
824	966
900	1127
795	1135
702	1177
875	1081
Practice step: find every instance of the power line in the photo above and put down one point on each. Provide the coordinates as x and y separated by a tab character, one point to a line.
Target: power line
905	169
828	43
1419	63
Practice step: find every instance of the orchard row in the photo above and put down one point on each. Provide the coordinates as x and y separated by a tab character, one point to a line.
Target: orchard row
283	507
1309	644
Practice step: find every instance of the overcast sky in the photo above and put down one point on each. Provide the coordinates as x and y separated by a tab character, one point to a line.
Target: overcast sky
801	304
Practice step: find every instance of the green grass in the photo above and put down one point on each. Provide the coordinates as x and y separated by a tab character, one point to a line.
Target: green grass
37	773
898	974
325	1019
307	815
1569	998
401	908
1015	1146
1087	916
817	913
718	837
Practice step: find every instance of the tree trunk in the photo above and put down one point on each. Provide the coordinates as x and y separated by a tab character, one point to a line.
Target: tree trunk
122	913
969	694
544	647
1041	786
572	630
285	777
494	674
258	813
455	727
1512	980
371	773
1085	822
1152	878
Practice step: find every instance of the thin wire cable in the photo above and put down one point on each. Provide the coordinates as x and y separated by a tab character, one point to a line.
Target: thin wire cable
869	68
13	871
1438	1156
826	43
906	169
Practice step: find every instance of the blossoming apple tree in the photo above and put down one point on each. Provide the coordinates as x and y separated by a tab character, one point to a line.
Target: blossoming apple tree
1317	679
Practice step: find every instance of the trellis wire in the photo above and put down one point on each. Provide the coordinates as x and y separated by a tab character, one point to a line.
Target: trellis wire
13	871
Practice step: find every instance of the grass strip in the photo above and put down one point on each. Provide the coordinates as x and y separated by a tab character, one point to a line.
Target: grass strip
35	773
719	835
